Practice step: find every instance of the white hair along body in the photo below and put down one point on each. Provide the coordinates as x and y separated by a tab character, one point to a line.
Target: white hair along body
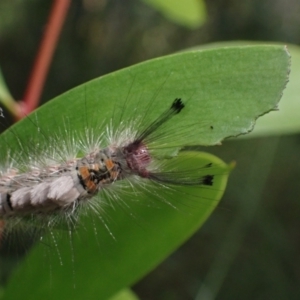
59	187
55	186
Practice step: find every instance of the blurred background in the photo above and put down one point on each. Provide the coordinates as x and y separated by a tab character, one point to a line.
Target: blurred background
249	248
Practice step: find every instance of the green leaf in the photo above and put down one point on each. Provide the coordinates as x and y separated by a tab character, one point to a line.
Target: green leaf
189	13
284	120
224	90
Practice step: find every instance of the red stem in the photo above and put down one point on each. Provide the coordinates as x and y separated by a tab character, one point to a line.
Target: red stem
44	56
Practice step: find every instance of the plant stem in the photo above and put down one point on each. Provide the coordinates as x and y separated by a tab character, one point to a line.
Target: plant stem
41	65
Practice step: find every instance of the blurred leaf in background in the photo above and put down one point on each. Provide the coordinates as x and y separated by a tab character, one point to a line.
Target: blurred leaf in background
287	119
189	13
124	295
